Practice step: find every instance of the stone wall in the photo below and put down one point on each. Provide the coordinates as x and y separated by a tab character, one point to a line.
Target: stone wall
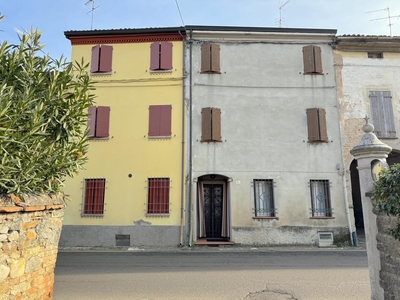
30	228
389	249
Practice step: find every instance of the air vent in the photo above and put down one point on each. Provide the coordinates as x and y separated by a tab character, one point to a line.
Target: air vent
325	238
122	240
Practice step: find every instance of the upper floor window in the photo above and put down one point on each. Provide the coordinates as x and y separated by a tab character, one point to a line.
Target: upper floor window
160	121
264	198
320	198
312	60
101	61
375	54
99	121
382	114
211	124
210	59
161	56
94	197
316	125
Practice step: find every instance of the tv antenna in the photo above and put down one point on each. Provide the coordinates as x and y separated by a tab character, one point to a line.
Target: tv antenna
389	17
92	9
280	12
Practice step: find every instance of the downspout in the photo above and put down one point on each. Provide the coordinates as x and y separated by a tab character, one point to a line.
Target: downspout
183	144
190	143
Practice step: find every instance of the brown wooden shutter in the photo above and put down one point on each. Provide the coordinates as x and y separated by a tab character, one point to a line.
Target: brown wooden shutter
312	124
92	111
165	120
323	135
205	58
94	63
215	61
317	60
206	124
216	124
154	117
155	56
103	121
166	56
105	58
308	59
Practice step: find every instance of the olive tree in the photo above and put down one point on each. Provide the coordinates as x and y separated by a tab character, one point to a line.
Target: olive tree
387	195
43	117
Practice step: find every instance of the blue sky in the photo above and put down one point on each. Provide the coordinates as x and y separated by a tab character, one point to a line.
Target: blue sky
54	17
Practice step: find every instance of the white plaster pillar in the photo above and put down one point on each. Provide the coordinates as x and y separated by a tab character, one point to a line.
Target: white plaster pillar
369	149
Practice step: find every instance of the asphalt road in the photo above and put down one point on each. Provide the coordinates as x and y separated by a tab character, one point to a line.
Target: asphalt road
275	275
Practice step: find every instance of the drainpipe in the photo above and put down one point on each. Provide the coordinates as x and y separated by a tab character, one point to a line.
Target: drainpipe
189	198
183	144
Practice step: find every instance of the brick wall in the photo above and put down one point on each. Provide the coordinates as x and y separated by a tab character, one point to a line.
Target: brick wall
30	228
389	249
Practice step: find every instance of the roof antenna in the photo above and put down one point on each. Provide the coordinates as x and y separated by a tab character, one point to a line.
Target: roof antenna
389	17
92	9
280	12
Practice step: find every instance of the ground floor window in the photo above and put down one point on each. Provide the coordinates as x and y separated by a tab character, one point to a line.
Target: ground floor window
320	198
158	196
94	197
263	198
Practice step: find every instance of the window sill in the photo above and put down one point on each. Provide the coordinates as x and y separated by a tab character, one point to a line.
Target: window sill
160	71
159	137
211	141
322	217
266	218
101	74
313	73
93	139
386	138
92	216
318	142
157	215
210	72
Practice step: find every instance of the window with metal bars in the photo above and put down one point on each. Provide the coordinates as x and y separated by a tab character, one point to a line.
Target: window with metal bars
320	198
158	196
94	193
264	198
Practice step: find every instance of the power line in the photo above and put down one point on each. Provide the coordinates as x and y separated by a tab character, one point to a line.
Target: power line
179	10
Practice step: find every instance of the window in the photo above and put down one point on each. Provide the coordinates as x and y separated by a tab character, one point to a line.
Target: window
101	59
99	121
161	56
382	114
320	198
210	59
316	124
264	198
312	60
158	196
375	54
160	121
94	197
210	124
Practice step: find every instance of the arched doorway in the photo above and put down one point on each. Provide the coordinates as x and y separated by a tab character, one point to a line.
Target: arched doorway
393	158
213	208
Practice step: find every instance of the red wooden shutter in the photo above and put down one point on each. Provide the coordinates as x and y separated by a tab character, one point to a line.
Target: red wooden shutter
165	120
89	189
164	201
98	196
155	56
322	125
154	117
216	124
94	63
312	124
105	58
103	121
206	124
166	56
151	195
317	60
308	59
205	58
215	50
92	121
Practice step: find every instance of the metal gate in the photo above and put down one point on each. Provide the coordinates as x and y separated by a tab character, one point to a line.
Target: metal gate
213	205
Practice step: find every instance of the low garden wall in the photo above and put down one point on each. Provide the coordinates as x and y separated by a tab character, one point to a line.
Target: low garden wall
30	228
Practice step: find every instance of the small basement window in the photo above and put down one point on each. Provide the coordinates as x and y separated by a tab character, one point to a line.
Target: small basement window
122	240
375	54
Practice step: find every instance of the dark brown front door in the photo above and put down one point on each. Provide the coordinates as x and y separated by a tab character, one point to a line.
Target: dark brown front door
213	205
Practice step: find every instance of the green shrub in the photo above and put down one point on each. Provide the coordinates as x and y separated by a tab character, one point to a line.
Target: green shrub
387	195
43	117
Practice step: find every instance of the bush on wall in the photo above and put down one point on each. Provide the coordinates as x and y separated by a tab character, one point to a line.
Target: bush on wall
43	117
387	194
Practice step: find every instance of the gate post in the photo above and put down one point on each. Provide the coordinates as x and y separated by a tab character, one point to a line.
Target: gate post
370	151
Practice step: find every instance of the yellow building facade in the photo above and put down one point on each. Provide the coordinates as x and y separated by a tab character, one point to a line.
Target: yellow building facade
131	192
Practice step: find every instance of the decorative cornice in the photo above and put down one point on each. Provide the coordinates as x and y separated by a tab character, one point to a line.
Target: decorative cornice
368	43
123	39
